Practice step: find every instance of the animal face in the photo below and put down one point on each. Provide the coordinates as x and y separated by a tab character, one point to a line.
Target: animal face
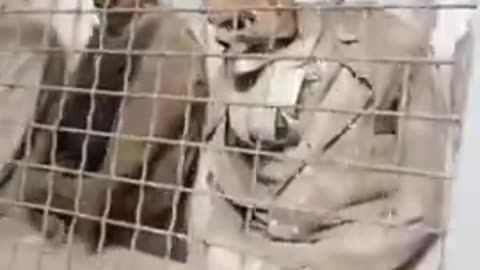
251	28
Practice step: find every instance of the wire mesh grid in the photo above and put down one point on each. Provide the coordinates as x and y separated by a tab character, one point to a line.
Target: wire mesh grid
124	125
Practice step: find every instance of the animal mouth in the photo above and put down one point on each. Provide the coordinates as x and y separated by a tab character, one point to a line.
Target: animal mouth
264	45
246	80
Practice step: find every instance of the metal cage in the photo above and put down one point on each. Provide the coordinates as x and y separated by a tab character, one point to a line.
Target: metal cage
52	73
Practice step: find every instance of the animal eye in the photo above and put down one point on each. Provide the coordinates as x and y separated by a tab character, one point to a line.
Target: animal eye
230	24
243	20
247	17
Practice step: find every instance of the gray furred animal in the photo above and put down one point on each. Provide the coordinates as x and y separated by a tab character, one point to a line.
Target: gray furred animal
140	160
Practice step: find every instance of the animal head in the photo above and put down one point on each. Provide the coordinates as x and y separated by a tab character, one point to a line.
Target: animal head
248	29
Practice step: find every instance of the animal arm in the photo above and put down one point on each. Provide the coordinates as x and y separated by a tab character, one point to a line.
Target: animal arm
37	71
416	201
30	30
170	111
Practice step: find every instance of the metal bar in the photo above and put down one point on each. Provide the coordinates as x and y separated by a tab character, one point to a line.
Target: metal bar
324	6
463	234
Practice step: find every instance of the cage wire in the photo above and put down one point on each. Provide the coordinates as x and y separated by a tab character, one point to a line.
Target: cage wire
137	195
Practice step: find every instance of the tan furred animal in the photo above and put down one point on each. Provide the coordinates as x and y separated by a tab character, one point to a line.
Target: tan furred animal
342	224
162	164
